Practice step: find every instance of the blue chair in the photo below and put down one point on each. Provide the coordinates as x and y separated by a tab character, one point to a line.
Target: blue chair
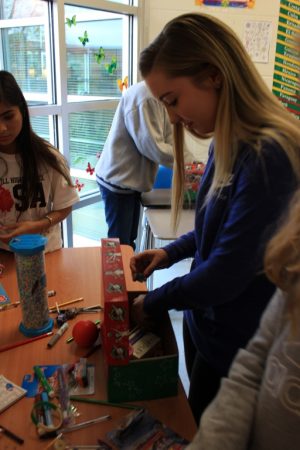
163	178
150	199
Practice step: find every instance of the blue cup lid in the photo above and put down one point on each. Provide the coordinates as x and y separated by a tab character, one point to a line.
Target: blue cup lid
28	244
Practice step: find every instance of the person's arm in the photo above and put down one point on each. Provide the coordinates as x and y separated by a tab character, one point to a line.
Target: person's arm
143	264
261	190
60	196
41	225
146	262
227	422
149	127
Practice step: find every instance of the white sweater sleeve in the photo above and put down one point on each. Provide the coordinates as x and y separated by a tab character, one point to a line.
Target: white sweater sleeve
151	131
227	422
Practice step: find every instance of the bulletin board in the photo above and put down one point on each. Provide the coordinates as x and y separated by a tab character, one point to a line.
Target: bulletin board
286	80
227	3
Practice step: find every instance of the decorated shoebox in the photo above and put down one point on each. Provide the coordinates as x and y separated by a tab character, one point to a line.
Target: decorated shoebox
129	377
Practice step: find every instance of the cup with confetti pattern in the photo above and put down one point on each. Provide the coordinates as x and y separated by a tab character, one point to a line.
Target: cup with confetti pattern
32	284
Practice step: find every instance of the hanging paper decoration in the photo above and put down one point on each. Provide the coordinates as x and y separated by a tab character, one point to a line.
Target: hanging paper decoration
78	185
71	22
100	55
123	84
112	66
90	169
84	39
227	3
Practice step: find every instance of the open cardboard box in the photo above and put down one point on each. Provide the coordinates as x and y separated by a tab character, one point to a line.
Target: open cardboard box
133	379
147	378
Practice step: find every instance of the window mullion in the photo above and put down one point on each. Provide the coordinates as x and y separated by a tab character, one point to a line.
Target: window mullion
105	6
61	75
61	72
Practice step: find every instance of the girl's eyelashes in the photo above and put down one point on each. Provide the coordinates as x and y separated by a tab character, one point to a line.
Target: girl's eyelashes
8	116
172	102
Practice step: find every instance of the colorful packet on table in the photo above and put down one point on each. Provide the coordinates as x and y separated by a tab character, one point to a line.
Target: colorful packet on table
141	430
31	383
4	298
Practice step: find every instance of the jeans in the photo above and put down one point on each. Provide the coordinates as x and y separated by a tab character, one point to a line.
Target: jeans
122	214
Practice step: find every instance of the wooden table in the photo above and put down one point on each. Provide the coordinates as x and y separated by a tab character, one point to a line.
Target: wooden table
157	198
72	273
157	226
159	222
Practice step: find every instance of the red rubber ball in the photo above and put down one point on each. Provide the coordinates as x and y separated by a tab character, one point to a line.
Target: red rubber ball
85	333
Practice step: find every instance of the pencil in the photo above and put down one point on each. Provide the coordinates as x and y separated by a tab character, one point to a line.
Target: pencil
78	426
15	304
51	444
9	306
26	341
75	398
11	435
53	308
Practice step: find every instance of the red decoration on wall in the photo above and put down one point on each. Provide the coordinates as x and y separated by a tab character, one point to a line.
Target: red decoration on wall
78	185
90	169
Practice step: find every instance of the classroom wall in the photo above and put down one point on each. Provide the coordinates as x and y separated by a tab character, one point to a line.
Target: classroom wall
159	12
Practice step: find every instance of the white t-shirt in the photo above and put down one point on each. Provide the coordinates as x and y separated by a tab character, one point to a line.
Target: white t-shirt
53	193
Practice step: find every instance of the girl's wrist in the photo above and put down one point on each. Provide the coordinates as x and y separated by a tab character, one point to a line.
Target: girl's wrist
49	223
49	219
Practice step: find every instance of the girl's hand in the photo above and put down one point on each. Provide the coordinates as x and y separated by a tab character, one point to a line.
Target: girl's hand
7	232
39	226
144	264
137	310
137	314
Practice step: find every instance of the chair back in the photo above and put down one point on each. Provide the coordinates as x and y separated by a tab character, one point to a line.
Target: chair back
163	178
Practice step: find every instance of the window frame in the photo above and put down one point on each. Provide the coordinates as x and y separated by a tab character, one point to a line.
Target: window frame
55	39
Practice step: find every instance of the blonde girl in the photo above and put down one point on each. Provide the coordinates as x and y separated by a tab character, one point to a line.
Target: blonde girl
201	72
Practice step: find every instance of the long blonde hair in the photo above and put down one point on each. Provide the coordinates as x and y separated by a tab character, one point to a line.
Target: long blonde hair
282	257
197	46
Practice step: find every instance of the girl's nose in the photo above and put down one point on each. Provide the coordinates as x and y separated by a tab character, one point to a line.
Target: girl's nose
3	126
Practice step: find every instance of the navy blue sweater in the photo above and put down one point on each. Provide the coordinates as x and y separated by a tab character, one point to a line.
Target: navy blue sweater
226	291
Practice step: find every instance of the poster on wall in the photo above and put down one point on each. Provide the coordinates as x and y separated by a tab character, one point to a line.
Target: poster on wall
227	3
286	80
257	39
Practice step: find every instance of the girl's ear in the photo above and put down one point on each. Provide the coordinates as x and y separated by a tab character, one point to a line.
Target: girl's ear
217	80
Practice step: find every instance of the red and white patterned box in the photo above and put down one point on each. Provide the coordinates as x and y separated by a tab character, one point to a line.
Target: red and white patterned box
116	308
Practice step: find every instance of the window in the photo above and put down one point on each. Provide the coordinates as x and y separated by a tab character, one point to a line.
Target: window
68	57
